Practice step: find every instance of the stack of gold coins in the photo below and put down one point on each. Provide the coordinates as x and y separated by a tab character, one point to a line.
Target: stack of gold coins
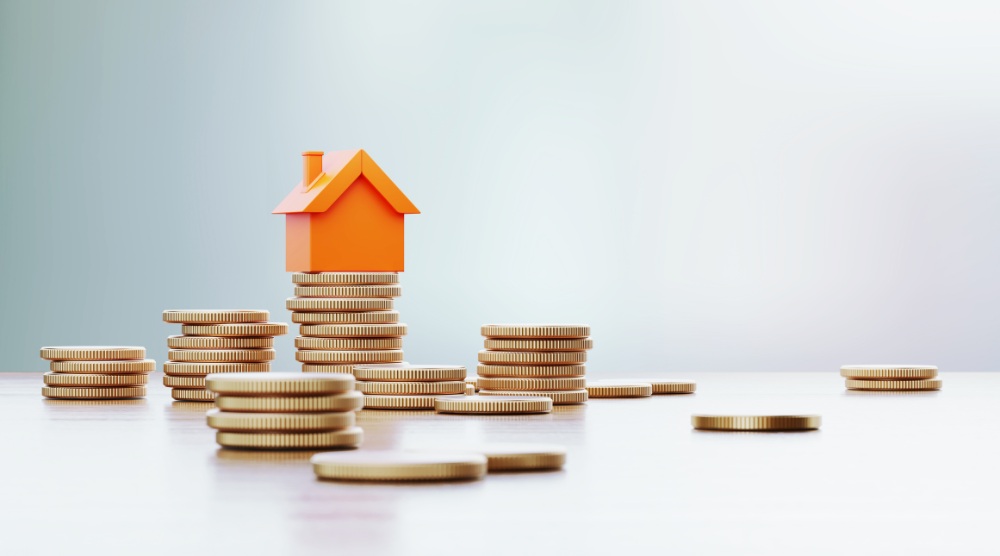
404	386
285	411
96	372
216	341
535	360
346	318
907	378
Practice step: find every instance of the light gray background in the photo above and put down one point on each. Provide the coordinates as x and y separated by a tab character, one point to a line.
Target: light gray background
710	185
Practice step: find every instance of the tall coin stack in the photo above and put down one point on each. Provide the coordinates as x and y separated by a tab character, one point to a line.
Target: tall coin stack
216	341
907	378
535	360
345	319
96	372
398	386
285	411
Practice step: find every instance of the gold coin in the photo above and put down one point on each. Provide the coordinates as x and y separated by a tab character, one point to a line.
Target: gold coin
396	401
539	345
889	372
88	393
348	401
558	397
211	316
280	384
221	355
184	381
409	373
305	342
365	317
353	330
399	466
929	384
231	421
345	368
218	342
92	353
344	356
411	388
504	456
345	438
318	304
756	422
513	404
532	357
618	389
229	330
535	331
61	379
504	383
192	395
344	278
531	371
663	386
470	389
349	291
140	366
203	369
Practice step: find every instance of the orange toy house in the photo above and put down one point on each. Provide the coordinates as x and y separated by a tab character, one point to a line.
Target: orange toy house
345	216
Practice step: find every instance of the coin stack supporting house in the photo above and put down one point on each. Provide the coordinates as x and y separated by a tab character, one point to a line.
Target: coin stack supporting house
907	378
96	372
216	341
402	386
285	411
346	318
535	360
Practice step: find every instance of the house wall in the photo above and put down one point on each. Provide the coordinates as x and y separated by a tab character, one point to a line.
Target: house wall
360	232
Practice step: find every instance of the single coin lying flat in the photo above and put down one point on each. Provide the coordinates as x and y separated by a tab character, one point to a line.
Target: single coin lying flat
558	397
348	401
192	395
513	456
220	342
203	369
213	316
368	290
394	330
756	422
282	422
397	402
344	438
411	388
399	466
619	389
92	353
889	372
904	385
531	371
348	344
494	405
355	317
535	331
221	355
139	366
581	344
409	373
663	386
279	384
241	329
345	278
93	393
91	379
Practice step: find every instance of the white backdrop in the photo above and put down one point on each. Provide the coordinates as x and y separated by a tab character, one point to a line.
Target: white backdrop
709	185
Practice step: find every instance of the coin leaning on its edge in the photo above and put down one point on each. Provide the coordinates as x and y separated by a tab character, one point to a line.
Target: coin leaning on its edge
756	422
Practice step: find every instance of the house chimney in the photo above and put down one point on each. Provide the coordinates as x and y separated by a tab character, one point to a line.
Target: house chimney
312	165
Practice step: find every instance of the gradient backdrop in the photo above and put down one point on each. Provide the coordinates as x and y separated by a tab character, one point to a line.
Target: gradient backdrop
748	186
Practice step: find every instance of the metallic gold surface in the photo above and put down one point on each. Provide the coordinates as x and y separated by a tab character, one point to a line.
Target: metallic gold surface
319	304
889	372
365	317
663	386
92	353
409	373
218	342
756	422
317	368
305	342
221	355
87	393
414	401
619	389
203	369
345	438
399	466
558	397
279	384
349	291
346	356
411	388
531	371
104	367
512	456
532	357
929	384
494	405
192	395
353	330
232	421
539	345
93	379
535	331
191	382
345	278
349	401
470	389
229	330
503	383
211	316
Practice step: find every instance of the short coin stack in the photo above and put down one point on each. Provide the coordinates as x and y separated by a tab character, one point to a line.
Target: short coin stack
891	377
96	372
535	360
216	341
346	318
285	411
403	386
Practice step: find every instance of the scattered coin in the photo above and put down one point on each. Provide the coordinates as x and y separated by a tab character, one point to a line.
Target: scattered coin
755	422
399	466
503	456
662	386
494	405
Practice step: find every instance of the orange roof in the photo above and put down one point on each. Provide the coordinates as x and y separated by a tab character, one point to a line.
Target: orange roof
340	170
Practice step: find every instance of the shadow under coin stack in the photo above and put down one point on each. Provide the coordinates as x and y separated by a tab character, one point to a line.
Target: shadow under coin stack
889	378
216	341
535	360
96	372
403	386
285	411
